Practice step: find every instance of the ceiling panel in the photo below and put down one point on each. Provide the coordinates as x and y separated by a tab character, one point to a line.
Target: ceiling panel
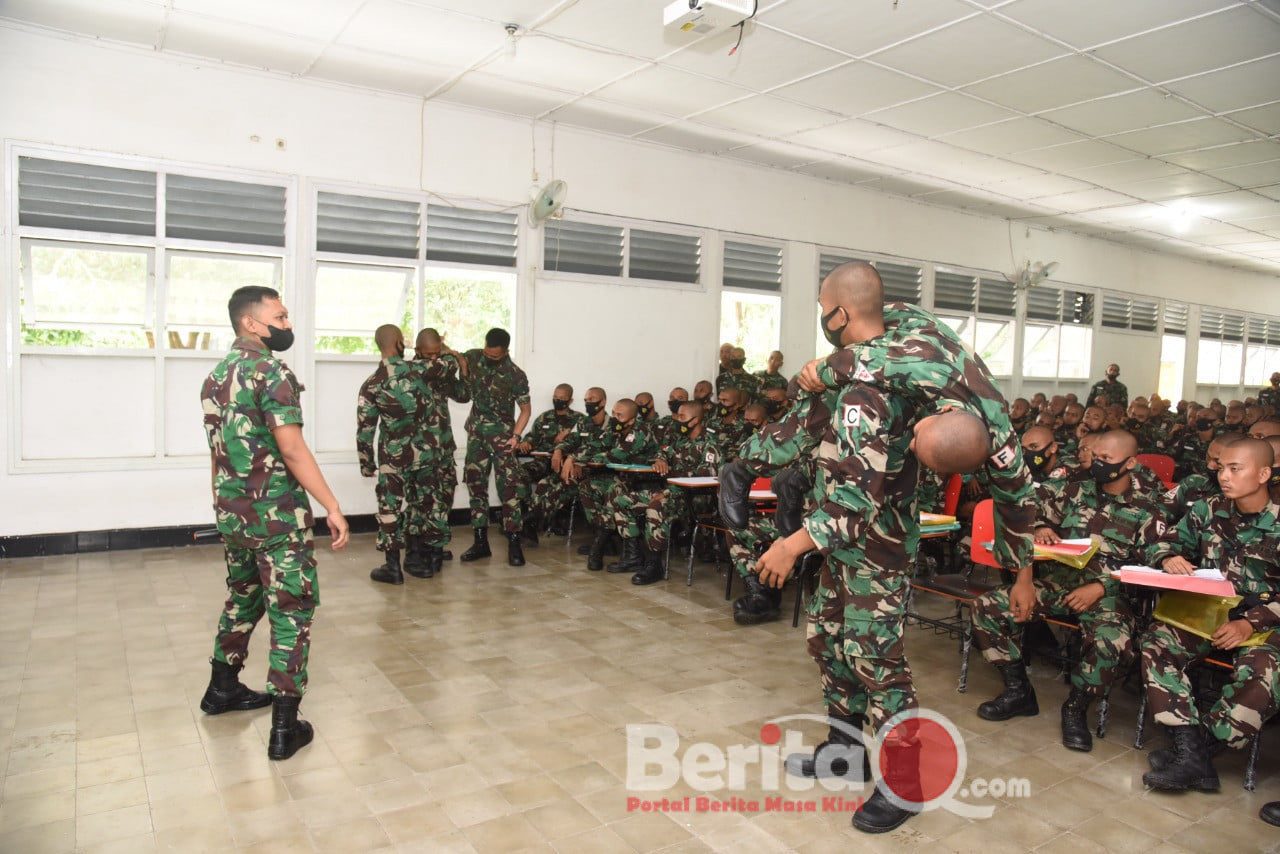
1083	200
1252	175
1054	84
859	28
854	137
604	116
856	88
506	96
1123	113
1127	172
1075	155
135	21
767	116
780	155
845	169
1214	41
1236	206
908	185
305	18
627	26
522	12
1265	119
1038	186
239	43
1173	186
1085	23
544	61
765	60
939	114
697	137
416	32
670	90
390	73
1227	155
1234	88
948	56
1012	135
1183	136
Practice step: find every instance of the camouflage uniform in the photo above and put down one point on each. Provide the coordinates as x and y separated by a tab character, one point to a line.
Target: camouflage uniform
1192	488
497	387
767	380
1116	392
747	544
739	379
542	437
551	494
1269	396
1149	439
262	513
1190	454
1246	547
1124	524
666	430
435	473
599	483
700	457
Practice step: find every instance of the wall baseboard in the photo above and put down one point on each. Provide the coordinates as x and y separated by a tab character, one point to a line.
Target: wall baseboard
84	542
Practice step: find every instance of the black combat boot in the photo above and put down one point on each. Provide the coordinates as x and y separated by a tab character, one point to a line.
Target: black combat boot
424	567
880	814
515	554
735	494
1190	768
1017	698
650	566
389	572
1161	758
631	559
226	693
1270	813
560	523
435	561
831	757
288	734
414	555
791	487
1075	721
480	548
762	607
595	554
445	554
529	533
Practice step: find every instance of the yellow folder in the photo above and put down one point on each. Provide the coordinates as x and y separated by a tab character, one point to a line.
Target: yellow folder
1200	614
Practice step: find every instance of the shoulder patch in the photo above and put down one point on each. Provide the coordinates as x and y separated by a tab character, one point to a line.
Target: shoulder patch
862	374
1003	458
852	415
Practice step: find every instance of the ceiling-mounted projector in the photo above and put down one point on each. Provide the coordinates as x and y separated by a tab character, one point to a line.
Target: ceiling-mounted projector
705	16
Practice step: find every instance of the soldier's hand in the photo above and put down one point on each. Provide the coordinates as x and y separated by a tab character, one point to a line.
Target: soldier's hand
1022	600
1047	537
557	459
339	531
660	467
1084	597
511	444
1177	565
1231	635
525	447
775	565
563	434
808	376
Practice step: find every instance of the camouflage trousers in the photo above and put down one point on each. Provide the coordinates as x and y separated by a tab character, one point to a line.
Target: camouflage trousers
1247	700
390	494
594	494
1106	632
277	579
485	453
856	619
746	545
429	492
627	506
668	505
551	495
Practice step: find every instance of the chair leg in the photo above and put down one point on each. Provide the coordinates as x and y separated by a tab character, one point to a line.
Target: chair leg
573	514
966	646
1250	777
693	547
1104	710
728	583
1142	720
795	612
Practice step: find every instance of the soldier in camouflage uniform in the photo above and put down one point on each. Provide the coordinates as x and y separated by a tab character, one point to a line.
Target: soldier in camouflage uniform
667	428
736	376
1194	487
1150	440
1238	532
727	421
1108	506
1041	453
430	491
1190	450
645	410
1270	396
771	376
388	406
1065	434
795	487
1111	388
497	387
556	494
549	429
261	473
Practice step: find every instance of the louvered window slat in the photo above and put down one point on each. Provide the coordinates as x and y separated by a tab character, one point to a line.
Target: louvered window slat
664	257
902	282
471	236
1143	315
1044	303
224	211
996	297
85	197
1115	312
582	247
1175	318
364	225
752	266
954	291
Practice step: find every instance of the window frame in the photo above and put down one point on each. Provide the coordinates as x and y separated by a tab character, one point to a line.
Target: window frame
707	247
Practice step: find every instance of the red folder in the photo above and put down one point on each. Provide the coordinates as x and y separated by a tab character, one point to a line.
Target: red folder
1167	581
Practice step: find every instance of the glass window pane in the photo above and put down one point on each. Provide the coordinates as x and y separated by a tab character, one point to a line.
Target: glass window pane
995	346
1208	362
199	286
1040	351
1173	350
352	301
1074	351
1255	365
1232	354
462	305
752	322
81	296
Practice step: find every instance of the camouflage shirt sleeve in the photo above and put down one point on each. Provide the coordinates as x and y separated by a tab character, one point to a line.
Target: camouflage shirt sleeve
856	483
1050	501
796	435
366	425
520	387
1182	539
278	395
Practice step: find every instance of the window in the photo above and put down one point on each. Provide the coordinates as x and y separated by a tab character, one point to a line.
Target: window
200	284
1221	351
464	304
664	257
975	308
1262	355
1137	315
83	295
602	249
582	247
902	281
752	321
1173	349
753	266
1058	338
352	300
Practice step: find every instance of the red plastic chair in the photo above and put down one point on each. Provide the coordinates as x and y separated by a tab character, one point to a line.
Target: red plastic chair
984	531
1161	464
951	495
762	484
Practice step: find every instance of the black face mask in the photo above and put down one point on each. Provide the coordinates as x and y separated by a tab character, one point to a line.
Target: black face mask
737	363
1104	473
1038	462
560	405
833	335
722	410
282	339
674	405
621	427
592	408
1203	425
687	427
644	411
773	407
1275	476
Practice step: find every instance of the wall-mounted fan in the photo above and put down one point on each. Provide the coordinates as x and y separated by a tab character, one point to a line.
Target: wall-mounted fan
548	202
1033	274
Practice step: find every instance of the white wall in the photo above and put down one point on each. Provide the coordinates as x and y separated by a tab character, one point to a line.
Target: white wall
75	93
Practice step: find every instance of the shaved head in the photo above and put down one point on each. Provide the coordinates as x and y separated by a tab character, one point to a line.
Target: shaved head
1244	472
625	409
1038	438
1257	450
566	388
1264	429
856	286
1274	442
952	442
1116	444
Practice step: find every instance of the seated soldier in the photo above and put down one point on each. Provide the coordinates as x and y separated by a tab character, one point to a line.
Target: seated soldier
1041	453
555	495
1047	419
1115	417
1233	421
668	426
1237	533
1139	424
548	430
1196	487
702	394
755	417
1038	403
794	486
727	420
1071	418
644	404
775	402
1189	452
1020	415
1253	413
1265	428
1107	506
771	376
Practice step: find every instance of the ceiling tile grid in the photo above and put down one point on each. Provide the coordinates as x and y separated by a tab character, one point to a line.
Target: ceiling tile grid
1153	122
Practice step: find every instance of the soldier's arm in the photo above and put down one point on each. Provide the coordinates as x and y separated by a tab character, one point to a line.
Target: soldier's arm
366	429
796	435
1050	504
1181	540
458	389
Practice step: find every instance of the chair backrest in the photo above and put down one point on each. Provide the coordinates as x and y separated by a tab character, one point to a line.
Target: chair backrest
951	495
762	484
984	530
1161	464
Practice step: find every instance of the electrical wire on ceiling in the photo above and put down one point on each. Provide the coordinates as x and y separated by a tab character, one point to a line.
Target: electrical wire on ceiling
755	7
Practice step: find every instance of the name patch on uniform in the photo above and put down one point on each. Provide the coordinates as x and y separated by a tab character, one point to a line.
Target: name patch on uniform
852	415
711	456
1003	458
862	374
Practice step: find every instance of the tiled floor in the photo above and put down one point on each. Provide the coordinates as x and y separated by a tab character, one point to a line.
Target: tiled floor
485	710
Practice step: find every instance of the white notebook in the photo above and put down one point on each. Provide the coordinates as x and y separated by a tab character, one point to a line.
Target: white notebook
1210	574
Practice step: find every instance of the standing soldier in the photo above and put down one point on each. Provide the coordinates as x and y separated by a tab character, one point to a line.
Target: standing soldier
1111	388
430	491
261	466
497	387
1270	396
771	376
